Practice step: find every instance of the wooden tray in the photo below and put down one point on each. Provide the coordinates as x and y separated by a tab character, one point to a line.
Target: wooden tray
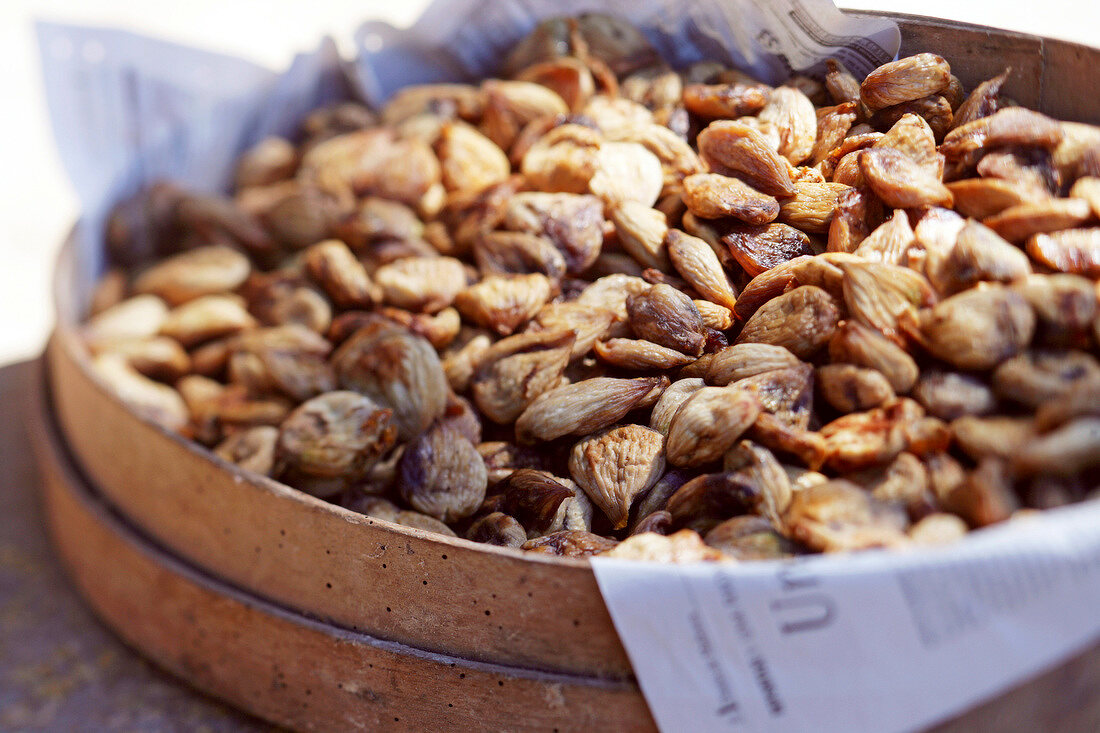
432	593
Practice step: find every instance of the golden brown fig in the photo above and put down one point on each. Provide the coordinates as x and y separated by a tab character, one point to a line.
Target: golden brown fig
981	255
252	449
696	262
983	101
760	248
497	529
751	538
510	374
997	435
725	101
197	272
573	223
978	329
713	196
743	360
849	388
504	303
833	124
683	546
790	113
1037	377
812	207
1011	126
1065	305
935	110
735	148
615	466
904	80
335	435
985	197
900	181
399	371
671	399
949	395
893	242
642	232
708	423
1075	251
570	543
842	86
665	316
151	400
1017	223
426	284
1066	451
985	497
206	317
838	515
802	321
857	344
584	407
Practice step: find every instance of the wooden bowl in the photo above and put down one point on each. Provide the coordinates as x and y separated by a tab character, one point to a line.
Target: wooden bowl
279	664
305	674
432	593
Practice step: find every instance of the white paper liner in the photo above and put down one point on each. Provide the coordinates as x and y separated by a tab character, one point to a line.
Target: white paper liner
875	642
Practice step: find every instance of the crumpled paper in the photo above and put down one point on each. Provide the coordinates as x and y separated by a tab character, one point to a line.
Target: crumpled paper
128	110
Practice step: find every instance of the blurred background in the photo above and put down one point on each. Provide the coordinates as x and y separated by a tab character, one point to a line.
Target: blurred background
37	206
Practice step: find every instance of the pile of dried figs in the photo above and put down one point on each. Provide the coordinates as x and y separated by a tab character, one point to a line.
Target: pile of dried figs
601	305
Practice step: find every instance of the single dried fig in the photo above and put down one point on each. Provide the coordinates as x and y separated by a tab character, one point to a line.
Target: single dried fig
442	475
615	466
335	435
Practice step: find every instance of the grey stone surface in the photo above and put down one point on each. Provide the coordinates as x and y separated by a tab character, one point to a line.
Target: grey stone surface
60	668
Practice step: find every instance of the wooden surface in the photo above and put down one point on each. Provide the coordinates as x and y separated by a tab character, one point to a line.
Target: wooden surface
283	666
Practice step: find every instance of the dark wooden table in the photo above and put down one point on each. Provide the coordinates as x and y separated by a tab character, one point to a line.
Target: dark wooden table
60	669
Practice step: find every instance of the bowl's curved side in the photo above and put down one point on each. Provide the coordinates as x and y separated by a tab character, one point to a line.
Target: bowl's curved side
287	668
